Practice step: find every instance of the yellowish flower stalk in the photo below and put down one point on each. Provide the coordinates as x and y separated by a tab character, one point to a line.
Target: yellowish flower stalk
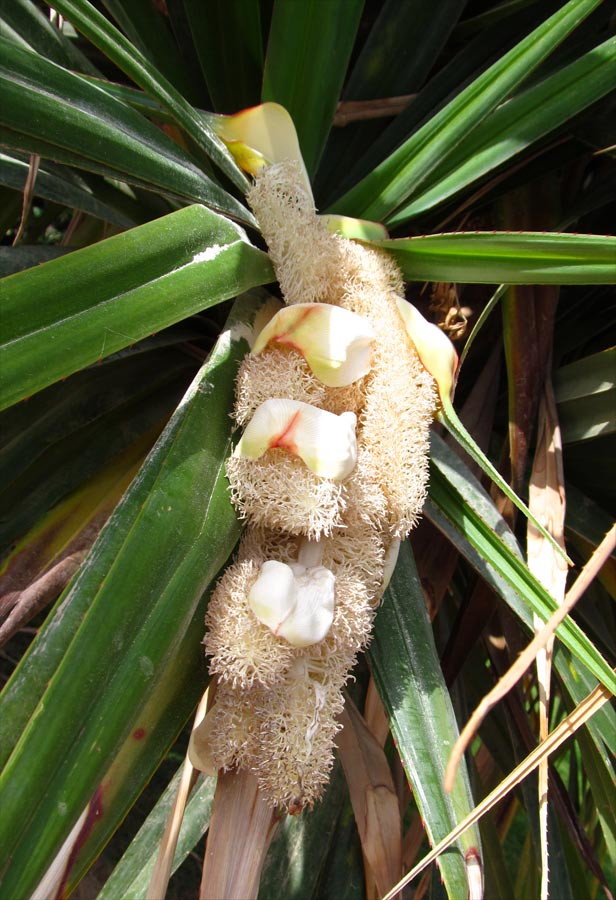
325	508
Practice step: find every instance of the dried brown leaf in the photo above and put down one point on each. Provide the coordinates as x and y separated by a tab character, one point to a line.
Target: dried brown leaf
546	501
241	829
373	797
375	715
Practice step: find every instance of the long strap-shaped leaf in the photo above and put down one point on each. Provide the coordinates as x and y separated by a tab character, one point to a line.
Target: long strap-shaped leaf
516	257
307	55
408	676
390	184
23	22
67	117
62	186
516	125
79	693
450	491
120	290
86	19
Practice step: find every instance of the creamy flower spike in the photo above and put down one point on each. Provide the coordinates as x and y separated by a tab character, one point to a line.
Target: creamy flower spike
324	441
325	509
295	602
336	343
434	348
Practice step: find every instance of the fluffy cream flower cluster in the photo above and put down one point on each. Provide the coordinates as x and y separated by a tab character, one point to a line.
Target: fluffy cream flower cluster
330	474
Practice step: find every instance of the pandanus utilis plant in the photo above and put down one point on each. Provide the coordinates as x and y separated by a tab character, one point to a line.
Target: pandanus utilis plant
317	473
118	666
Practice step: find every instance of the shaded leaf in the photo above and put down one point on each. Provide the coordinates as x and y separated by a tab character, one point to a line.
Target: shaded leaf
408	676
306	38
515	126
586	396
60	186
233	67
117	634
389	185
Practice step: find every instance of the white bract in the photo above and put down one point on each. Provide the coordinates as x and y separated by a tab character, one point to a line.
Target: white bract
261	136
324	441
295	602
336	343
435	350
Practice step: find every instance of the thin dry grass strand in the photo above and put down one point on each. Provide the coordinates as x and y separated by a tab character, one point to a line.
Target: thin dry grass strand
580	715
527	657
162	870
547	503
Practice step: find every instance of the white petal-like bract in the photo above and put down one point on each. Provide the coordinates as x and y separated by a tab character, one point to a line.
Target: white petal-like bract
273	596
324	441
434	348
295	602
262	135
336	343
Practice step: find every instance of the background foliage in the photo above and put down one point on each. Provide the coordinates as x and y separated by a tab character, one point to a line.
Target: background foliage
485	133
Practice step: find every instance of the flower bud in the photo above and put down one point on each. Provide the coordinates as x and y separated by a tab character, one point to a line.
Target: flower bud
335	342
324	441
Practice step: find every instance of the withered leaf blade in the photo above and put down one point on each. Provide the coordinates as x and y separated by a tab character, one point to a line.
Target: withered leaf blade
373	796
241	830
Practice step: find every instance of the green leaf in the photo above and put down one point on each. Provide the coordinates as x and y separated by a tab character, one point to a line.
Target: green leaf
86	19
381	192
233	67
24	19
61	437
515	126
586	396
408	676
307	56
118	632
506	257
131	876
468	508
147	27
121	290
398	54
60	186
70	119
445	83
